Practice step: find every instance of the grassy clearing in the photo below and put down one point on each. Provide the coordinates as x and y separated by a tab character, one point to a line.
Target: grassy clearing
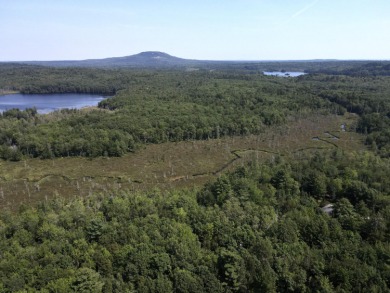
169	165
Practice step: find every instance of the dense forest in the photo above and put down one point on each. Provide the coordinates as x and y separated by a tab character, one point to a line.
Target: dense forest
160	106
317	220
357	68
30	79
257	229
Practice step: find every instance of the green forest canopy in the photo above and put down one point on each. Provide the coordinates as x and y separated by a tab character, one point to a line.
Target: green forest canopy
259	228
159	106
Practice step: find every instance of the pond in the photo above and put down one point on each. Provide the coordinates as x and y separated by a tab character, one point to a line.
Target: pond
284	73
46	103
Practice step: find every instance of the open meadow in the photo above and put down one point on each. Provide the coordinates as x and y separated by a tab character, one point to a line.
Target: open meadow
164	166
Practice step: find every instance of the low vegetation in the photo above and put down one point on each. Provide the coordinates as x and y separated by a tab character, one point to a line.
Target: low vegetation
170	165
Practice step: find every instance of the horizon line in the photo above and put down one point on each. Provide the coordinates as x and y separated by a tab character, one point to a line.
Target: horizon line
205	60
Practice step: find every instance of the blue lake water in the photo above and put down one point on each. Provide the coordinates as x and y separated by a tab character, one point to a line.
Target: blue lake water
48	102
284	74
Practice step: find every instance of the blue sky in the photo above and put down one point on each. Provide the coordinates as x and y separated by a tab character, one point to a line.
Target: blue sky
198	29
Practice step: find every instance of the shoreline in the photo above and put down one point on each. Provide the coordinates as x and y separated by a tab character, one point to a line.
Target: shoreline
91	102
7	92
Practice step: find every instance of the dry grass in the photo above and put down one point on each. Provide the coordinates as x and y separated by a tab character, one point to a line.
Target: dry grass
7	92
168	165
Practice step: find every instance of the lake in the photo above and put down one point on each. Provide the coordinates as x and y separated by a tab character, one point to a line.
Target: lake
47	103
284	74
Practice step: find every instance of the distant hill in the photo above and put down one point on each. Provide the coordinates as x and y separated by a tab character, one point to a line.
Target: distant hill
156	60
150	59
161	60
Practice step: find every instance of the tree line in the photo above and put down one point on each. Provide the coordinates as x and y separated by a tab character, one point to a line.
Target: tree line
155	107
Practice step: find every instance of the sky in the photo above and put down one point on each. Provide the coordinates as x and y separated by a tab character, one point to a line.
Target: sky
197	29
